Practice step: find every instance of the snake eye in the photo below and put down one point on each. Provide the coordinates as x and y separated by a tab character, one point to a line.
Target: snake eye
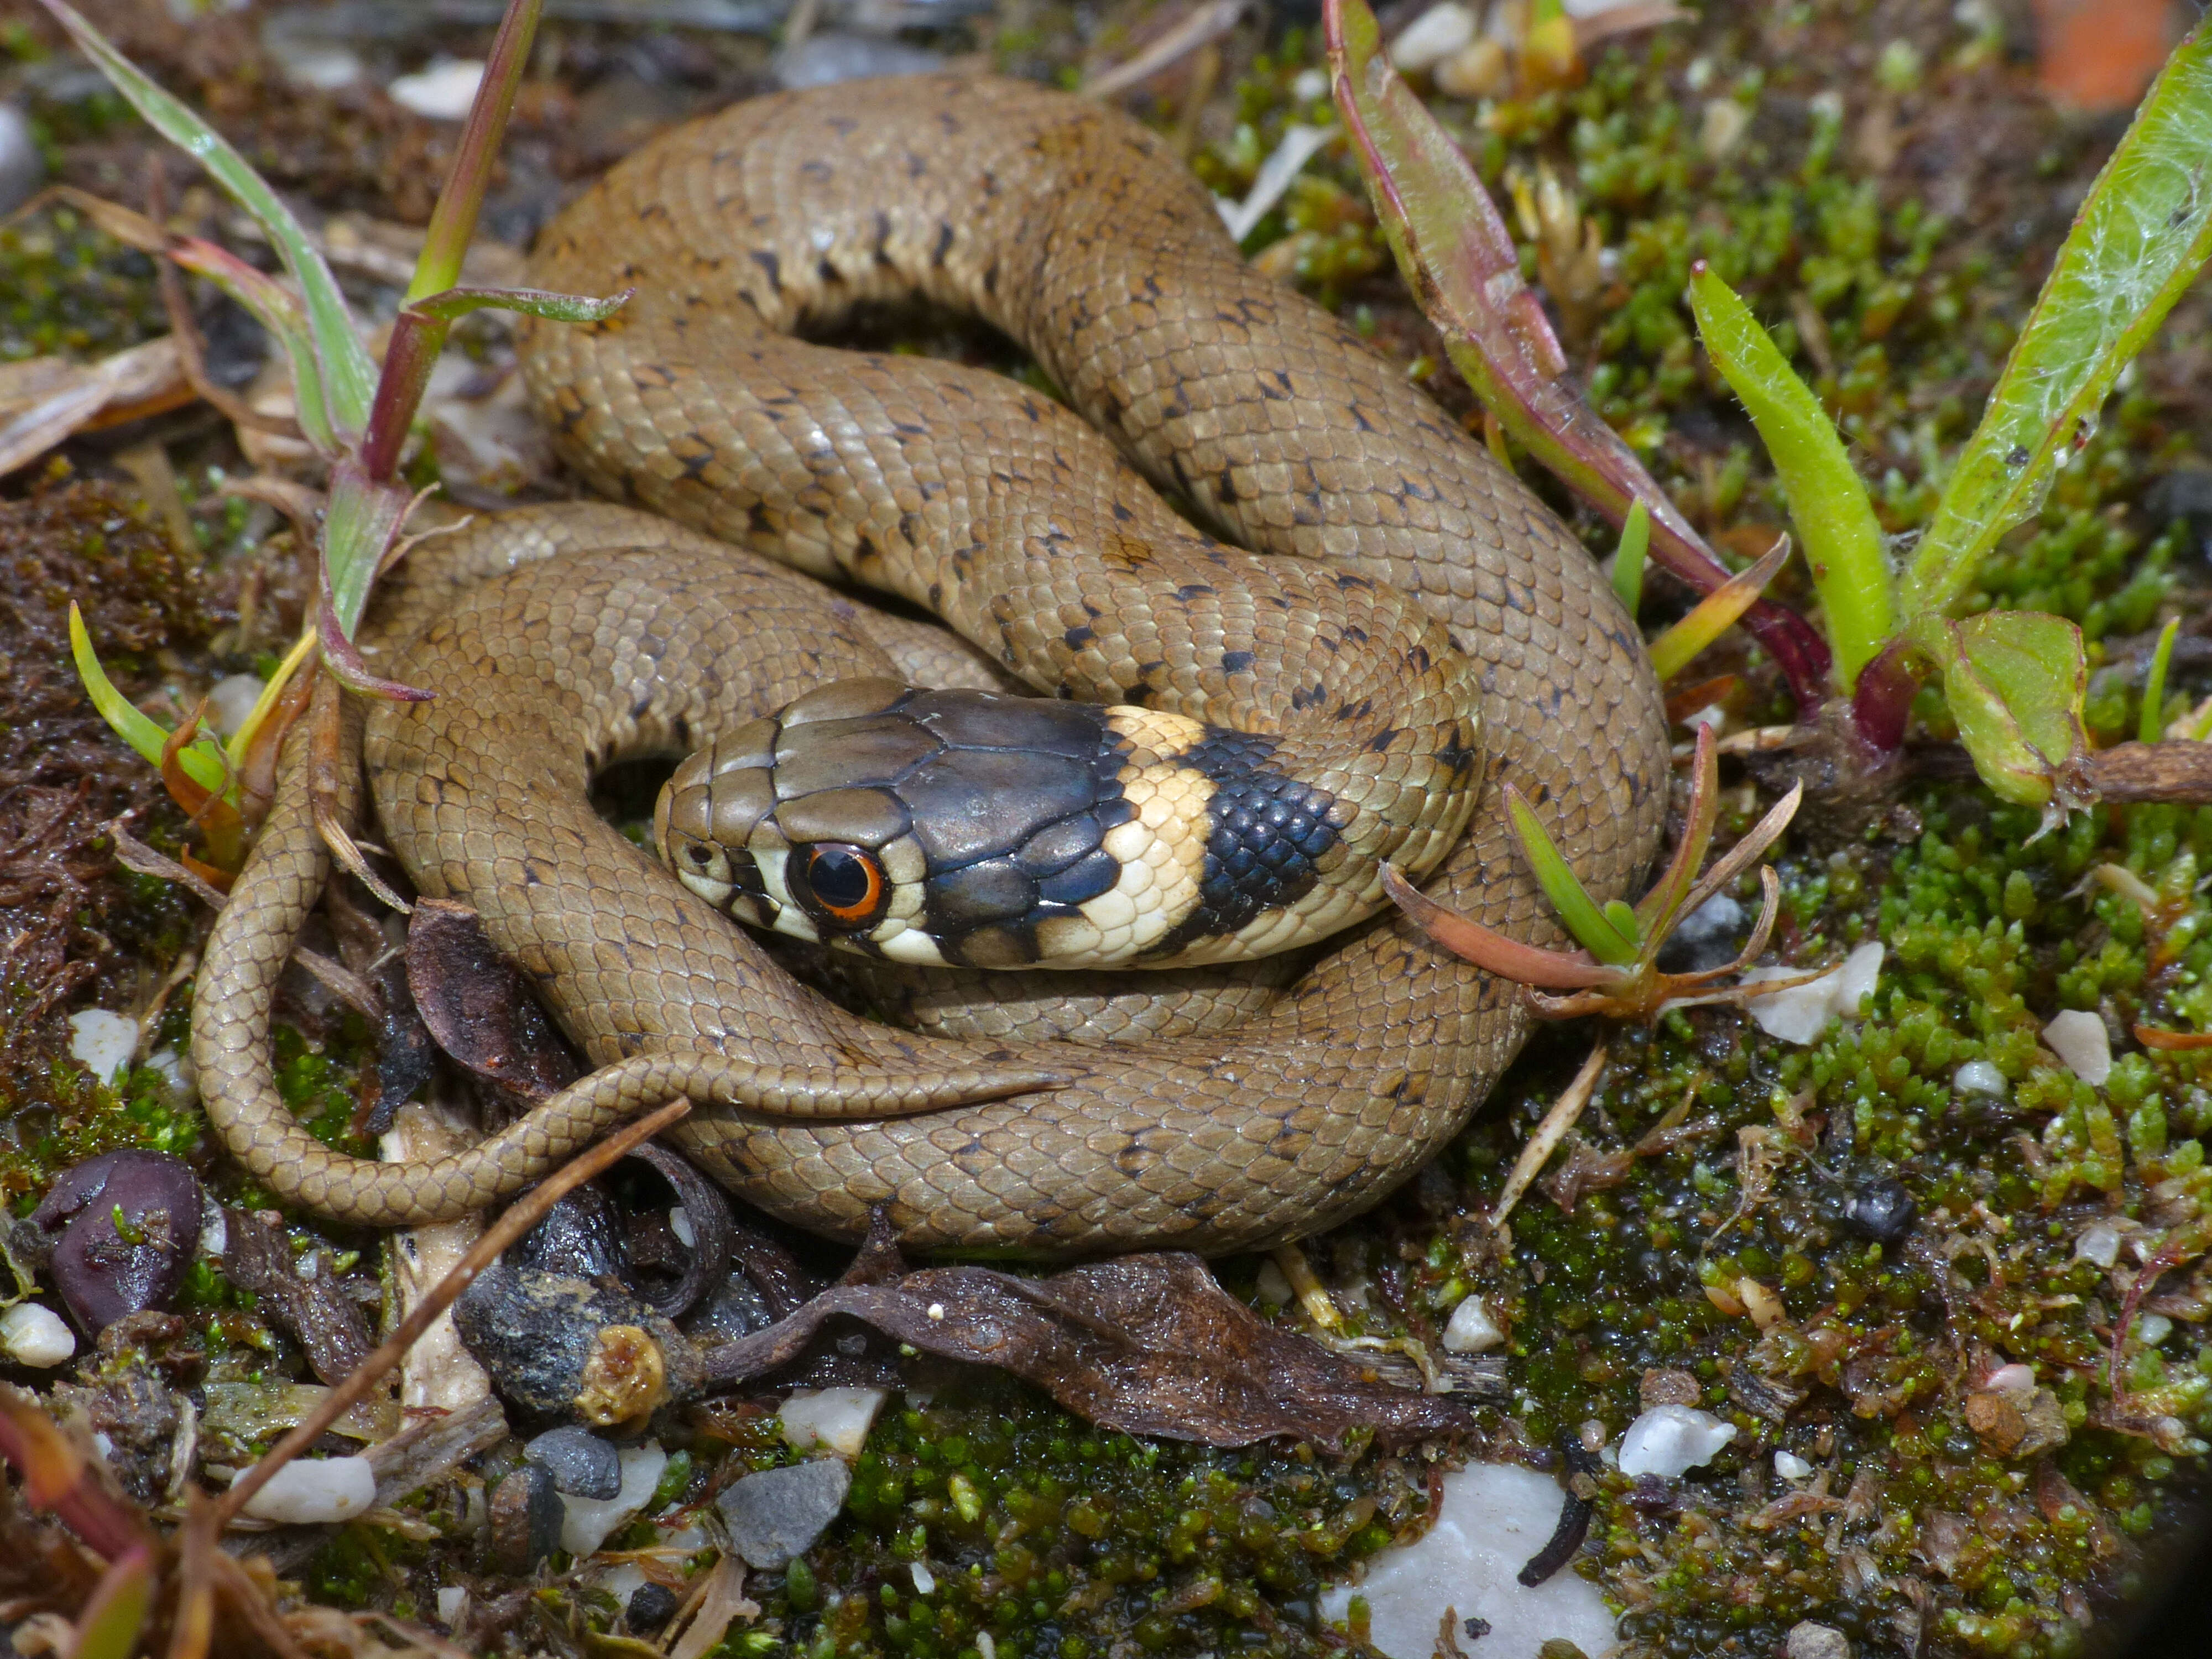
843	886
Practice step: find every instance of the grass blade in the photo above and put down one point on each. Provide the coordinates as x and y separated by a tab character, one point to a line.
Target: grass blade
1628	557
202	760
1594	929
347	375
2140	236
1715	614
1828	500
2151	724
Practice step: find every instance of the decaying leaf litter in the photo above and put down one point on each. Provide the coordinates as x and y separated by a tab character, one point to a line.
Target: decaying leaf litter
1758	1208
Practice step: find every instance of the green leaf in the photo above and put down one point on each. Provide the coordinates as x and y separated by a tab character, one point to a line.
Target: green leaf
348	377
115	1615
2143	231
201	759
1827	501
2152	725
1628	557
1593	928
2017	682
1715	614
531	302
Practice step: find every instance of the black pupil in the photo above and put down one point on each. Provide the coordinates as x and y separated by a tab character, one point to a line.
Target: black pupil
838	877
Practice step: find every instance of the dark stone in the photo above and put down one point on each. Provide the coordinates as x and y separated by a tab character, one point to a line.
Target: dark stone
565	1348
1880	1210
776	1515
526	1514
650	1606
102	1272
581	1464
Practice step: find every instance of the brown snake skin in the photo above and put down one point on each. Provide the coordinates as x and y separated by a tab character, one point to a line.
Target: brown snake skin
1077	232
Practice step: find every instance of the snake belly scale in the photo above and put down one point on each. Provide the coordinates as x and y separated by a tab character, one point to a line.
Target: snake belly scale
1387	552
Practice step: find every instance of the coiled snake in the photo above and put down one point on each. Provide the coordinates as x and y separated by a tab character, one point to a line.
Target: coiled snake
1197	1107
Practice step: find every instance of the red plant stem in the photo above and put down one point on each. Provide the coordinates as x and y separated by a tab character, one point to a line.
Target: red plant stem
1883	697
454	221
416	340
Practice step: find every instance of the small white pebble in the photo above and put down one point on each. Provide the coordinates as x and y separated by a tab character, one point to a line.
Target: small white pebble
2100	1242
176	1071
585	1523
1471	1329
1273	1288
314	1490
1826	106
451	1602
1669	1440
984	1645
2079	1038
102	1042
1718	917
320	67
1310	87
936	1311
1979	1076
2151	1330
1800	1014
36	1335
1433	36
925	1581
836	1417
443	92
679	1223
1790	1467
231	699
2015	1380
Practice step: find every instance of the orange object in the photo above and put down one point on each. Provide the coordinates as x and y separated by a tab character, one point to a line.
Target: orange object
2097	56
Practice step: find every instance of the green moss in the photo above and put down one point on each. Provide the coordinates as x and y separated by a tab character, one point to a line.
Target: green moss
1060	1541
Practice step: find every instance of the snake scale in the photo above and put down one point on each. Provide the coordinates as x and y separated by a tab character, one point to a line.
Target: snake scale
1226	1113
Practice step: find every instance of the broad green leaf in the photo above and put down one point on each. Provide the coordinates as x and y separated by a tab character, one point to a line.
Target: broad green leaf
2015	682
2151	724
1827	501
531	302
1592	927
2137	241
202	760
359	528
347	376
1628	557
1461	263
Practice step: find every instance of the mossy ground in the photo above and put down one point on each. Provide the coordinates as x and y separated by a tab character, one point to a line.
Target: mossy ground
1881	185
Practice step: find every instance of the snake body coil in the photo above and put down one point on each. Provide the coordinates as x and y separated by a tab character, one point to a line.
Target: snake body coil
1075	232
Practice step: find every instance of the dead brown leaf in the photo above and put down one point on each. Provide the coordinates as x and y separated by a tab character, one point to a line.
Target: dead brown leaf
1144	1344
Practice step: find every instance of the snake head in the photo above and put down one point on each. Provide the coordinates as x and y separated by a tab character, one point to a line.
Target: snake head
984	830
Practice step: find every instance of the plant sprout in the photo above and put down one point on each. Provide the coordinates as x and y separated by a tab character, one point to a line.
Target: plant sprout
1616	972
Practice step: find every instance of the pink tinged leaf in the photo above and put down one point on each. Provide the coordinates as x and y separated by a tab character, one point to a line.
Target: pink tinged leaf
1715	614
1460	260
1524	964
1654	915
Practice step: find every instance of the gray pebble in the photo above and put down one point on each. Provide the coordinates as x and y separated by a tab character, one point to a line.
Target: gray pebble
1811	1641
581	1464
776	1515
22	169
